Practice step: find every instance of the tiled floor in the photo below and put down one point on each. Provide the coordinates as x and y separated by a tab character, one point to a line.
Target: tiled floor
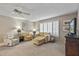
29	49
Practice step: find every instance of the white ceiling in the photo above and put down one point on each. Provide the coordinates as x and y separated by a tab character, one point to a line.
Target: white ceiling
38	11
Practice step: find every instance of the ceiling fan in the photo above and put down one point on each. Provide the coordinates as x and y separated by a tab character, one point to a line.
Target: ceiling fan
20	12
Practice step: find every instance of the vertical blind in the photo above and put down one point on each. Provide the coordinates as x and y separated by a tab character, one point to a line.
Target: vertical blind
45	27
56	28
50	27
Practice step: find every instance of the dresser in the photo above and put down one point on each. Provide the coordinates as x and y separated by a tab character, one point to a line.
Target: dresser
72	46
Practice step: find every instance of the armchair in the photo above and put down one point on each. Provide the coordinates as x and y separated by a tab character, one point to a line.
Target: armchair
27	36
11	40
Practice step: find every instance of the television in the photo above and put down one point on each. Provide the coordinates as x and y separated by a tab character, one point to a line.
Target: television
72	26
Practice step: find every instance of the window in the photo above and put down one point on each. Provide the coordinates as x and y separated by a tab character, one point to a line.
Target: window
45	27
55	28
50	27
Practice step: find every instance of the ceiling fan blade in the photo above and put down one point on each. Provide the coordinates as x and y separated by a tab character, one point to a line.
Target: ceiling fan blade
18	11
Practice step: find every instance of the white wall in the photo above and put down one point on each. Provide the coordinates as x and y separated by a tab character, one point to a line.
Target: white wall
78	23
62	18
6	25
27	26
36	25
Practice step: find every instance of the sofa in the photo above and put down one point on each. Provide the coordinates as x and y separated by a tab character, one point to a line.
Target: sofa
41	38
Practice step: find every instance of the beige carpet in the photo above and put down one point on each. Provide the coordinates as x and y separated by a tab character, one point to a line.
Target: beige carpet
28	49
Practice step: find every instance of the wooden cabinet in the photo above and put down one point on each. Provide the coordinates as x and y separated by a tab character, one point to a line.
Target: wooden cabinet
72	46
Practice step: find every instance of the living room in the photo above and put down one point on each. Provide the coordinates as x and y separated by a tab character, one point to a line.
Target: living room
36	29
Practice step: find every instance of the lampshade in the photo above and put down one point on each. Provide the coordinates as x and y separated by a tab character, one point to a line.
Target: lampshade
18	27
34	29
